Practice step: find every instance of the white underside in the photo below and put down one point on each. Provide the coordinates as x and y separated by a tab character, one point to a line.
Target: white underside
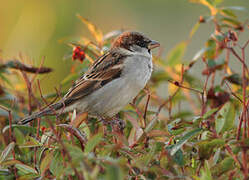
111	98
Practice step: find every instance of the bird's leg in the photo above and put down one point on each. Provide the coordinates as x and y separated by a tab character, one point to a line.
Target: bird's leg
105	121
115	121
118	122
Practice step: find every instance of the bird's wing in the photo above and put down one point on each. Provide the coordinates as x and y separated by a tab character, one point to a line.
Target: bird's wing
105	69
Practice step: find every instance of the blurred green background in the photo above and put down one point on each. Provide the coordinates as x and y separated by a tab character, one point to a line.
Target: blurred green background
36	28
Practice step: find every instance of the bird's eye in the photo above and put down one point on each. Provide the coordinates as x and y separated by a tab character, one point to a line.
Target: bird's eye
142	44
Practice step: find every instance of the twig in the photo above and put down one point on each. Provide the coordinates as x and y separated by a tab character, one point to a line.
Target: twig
79	176
235	158
38	70
146	108
11	136
244	115
64	150
172	96
44	100
245	45
76	132
15	64
139	113
176	83
29	87
237	97
240	59
203	106
37	137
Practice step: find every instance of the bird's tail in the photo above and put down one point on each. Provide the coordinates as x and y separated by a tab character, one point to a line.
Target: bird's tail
50	110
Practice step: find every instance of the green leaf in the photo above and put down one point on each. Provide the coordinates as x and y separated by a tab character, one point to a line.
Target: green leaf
232	23
46	162
211	49
31	142
56	165
194	29
225	120
207	147
237	8
6	174
224	166
184	139
6	80
85	129
20	138
151	125
139	98
211	63
29	176
92	142
228	13
216	156
217	2
178	157
219	37
234	78
5	153
26	169
146	159
113	173
23	128
209	113
206	173
175	132
176	54
75	152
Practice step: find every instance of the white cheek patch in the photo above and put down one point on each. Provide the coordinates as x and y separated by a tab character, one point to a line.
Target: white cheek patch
137	50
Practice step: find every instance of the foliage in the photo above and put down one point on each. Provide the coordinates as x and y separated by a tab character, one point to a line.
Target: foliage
200	131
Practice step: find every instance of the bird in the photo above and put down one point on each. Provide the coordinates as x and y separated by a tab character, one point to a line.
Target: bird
111	82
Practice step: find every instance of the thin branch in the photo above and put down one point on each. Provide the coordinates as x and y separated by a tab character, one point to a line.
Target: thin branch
44	100
237	97
245	45
146	108
235	158
15	64
79	176
29	87
176	83
240	59
76	132
11	136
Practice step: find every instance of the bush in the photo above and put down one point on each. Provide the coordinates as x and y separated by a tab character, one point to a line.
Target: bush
200	131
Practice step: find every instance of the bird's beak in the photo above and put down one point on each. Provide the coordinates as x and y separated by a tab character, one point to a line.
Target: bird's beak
153	44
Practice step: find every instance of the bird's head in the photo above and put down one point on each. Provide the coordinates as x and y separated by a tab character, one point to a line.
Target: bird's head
134	41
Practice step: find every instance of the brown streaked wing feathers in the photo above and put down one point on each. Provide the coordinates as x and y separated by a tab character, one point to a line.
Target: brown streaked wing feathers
97	76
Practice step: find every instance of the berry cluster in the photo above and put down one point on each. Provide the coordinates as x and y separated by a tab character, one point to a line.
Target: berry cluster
78	53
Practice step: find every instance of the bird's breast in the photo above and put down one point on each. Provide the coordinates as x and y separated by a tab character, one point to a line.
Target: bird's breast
112	97
138	70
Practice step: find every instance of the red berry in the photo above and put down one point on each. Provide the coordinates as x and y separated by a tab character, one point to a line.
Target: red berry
43	129
78	53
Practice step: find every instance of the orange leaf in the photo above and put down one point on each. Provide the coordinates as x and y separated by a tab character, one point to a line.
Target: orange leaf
96	32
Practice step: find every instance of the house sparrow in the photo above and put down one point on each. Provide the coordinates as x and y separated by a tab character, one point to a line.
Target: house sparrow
112	81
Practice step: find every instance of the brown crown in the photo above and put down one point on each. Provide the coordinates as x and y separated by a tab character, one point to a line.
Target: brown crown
127	39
